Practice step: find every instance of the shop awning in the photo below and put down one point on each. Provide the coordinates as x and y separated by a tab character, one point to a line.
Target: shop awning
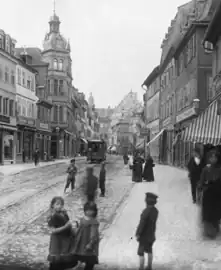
140	143
85	141
8	127
67	132
158	135
206	128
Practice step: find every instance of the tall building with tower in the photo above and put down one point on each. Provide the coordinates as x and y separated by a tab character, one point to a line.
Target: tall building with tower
56	52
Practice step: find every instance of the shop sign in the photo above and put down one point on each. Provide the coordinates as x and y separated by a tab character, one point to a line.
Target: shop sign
186	114
25	121
5	119
43	125
144	131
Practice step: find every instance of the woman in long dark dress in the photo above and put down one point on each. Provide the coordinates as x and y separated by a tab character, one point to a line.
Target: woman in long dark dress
148	169
137	168
210	188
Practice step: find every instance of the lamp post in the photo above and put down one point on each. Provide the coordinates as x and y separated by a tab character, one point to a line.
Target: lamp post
57	131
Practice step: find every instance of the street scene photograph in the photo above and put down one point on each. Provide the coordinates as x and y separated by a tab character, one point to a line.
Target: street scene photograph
110	135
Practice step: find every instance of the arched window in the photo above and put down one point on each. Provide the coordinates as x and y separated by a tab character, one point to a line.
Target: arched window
60	64
55	63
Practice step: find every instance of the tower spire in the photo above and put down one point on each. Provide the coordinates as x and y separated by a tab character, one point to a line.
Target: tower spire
54	6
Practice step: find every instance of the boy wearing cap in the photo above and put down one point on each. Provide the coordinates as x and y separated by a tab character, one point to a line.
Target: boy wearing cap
72	171
146	229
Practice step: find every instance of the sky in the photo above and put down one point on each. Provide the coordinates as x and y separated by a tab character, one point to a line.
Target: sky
115	44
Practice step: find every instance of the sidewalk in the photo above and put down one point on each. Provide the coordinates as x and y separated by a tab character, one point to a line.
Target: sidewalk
179	244
8	170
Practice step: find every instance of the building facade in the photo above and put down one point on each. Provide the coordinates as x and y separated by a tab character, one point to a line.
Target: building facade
8	62
33	58
151	110
186	74
205	129
26	100
56	52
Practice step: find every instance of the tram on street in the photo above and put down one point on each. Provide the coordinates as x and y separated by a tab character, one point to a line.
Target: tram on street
96	151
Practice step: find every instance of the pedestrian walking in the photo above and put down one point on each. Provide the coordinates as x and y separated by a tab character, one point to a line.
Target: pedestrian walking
102	179
210	188
137	168
90	185
148	169
87	237
125	158
23	156
146	230
71	178
36	156
195	167
62	237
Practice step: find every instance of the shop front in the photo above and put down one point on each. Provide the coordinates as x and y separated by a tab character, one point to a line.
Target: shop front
26	136
68	138
155	144
7	140
182	148
43	139
166	142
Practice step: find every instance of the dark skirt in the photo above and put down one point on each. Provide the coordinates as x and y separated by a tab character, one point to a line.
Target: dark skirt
60	252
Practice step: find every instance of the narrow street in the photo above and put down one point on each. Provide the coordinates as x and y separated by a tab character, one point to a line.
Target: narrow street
25	236
179	244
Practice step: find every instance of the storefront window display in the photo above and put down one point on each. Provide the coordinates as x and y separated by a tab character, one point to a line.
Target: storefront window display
8	146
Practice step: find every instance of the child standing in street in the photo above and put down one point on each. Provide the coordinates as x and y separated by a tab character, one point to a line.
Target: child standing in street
87	237
102	179
62	237
145	233
72	171
90	186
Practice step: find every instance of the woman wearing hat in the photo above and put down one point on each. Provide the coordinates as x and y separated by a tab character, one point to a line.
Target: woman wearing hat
146	229
210	188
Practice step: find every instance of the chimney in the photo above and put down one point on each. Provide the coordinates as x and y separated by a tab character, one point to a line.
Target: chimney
26	58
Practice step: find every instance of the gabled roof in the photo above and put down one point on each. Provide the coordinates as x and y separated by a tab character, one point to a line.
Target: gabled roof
152	76
35	53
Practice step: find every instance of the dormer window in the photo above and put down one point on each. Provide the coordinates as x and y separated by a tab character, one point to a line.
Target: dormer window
60	64
55	64
7	44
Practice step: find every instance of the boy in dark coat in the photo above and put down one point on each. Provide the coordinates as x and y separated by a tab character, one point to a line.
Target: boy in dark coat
102	179
145	233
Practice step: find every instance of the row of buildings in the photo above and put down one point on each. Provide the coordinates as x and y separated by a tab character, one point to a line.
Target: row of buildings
181	97
125	124
39	106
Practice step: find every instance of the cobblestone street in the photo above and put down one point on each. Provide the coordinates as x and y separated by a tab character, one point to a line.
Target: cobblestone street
179	244
28	236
